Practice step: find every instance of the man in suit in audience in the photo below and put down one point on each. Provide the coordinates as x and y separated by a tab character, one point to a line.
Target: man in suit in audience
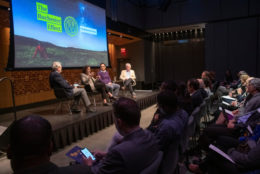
195	93
57	81
30	148
128	77
135	152
104	77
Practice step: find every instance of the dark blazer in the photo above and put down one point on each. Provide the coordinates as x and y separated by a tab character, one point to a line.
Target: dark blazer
250	160
204	94
136	152
196	98
57	81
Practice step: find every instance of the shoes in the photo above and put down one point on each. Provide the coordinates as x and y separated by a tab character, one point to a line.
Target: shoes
88	109
106	104
75	110
113	98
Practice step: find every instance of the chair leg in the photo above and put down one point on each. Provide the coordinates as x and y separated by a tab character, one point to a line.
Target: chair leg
58	107
68	104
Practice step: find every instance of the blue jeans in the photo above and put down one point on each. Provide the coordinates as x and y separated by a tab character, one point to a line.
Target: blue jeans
113	88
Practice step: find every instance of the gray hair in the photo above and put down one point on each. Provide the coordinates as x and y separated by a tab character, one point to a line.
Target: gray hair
56	65
128	64
256	83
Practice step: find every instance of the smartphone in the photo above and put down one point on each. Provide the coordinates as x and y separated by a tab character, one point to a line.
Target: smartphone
87	153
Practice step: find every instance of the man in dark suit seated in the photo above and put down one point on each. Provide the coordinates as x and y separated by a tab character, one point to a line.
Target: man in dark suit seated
193	89
57	81
137	149
30	148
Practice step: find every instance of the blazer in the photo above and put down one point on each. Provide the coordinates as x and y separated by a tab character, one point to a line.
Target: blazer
87	80
123	75
57	81
136	151
196	98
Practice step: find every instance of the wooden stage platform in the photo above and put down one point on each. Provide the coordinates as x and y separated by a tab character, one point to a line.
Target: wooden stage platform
70	128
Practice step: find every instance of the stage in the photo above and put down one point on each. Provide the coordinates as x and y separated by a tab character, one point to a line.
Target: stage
69	128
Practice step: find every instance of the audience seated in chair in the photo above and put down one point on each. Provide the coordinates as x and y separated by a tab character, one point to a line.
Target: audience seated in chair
87	79
57	81
212	132
30	148
104	77
128	77
136	151
195	92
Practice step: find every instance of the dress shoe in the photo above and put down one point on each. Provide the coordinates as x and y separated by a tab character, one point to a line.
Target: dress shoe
75	110
88	109
106	104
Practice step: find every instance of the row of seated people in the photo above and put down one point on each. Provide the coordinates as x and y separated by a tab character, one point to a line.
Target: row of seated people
134	149
31	146
137	149
236	131
101	83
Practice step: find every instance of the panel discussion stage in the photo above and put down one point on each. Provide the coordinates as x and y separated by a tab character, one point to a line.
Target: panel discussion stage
70	128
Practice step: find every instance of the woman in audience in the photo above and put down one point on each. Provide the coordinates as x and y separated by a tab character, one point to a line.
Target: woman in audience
87	78
207	86
245	152
230	128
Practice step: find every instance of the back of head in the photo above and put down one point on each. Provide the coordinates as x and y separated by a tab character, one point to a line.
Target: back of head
168	99
243	78
169	85
201	83
206	82
128	111
30	137
194	83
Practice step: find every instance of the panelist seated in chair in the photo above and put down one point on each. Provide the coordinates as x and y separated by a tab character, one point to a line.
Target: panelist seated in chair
104	77
57	82
87	79
128	77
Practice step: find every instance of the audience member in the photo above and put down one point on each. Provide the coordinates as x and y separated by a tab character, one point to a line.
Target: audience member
104	77
202	90
136	151
207	87
228	77
212	132
172	120
195	93
58	82
31	147
87	78
128	77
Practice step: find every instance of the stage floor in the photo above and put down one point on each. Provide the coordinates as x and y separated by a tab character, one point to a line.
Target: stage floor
69	128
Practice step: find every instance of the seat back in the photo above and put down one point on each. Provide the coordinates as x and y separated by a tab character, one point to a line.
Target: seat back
188	132
170	159
154	167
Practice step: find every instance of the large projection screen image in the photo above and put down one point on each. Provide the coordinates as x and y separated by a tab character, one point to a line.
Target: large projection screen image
70	31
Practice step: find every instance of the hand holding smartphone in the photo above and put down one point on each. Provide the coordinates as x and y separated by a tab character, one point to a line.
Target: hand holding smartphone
88	154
